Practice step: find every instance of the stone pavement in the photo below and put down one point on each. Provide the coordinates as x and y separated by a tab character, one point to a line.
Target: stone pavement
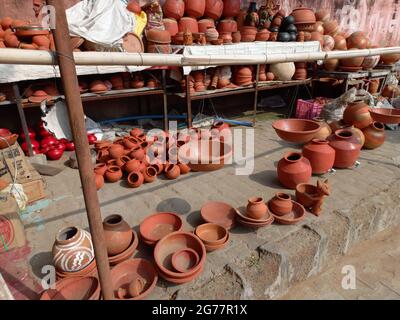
377	269
257	264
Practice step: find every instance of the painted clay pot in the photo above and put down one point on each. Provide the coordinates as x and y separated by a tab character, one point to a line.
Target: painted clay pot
113	174
174	9
293	169
214	9
135	179
256	208
374	135
195	8
231	8
203	24
347	148
172	171
150	174
283	71
171	25
357	114
320	155
116	151
325	130
99	180
117	234
188	23
72	250
281	204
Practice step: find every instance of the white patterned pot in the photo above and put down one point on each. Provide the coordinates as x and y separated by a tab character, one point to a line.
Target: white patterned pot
72	250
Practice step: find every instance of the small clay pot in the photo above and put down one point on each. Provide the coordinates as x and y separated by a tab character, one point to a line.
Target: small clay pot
347	148
132	165
281	204
172	171
188	23
117	234
100	169
293	169
135	179
122	161
113	174
116	151
256	208
99	179
236	37
102	156
203	24
374	135
150	174
137	153
185	260
184	168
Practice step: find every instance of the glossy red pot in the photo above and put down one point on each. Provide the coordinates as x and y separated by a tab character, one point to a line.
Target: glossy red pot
34	143
54	154
31	133
320	155
374	135
70	146
347	148
91	138
293	169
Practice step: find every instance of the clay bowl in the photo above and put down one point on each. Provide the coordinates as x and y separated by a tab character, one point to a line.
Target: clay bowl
249	224
185	260
180	280
124	273
296	130
158	225
89	270
205	155
298	213
84	288
219	213
173	242
385	116
128	253
211	234
210	248
241	214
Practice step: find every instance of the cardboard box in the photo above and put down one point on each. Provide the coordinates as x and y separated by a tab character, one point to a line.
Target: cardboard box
12	233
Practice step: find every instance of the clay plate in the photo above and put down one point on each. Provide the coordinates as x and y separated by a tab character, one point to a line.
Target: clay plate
241	212
211	234
298	213
252	224
185	260
386	116
218	213
158	225
85	288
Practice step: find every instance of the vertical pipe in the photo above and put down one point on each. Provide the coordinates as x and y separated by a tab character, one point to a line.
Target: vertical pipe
76	117
188	102
256	96
165	99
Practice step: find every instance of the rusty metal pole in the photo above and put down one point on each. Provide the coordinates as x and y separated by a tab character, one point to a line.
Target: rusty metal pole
76	118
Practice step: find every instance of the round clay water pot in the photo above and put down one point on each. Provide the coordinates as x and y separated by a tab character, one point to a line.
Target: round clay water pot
117	234
352	62
227	25
172	171
322	15
281	204
100	169
195	8
303	15
135	179
347	148
256	208
116	151
370	63
357	114
214	9
231	8
174	9
340	42
122	161
331	27
132	165
283	71
357	40
137	153
325	130
203	24
113	174
150	174
293	169
320	155
158	36
188	23
389	59
374	135
72	249
263	35
171	25
99	180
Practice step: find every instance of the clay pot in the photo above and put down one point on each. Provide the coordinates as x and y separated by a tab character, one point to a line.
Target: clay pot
116	151
352	62
72	250
325	130
281	204
211	234
322	15
347	148
293	169
236	37
340	42
226	37
336	125
113	174
303	15
211	34
203	24
171	25
389	59
248	34
357	114
301	72
195	8
11	41
122	161
316	36
117	234
263	35
102	156
390	91
137	153
320	155
132	165
135	179
331	27
331	64
319	27
231	8
357	40
188	23
174	9
100	169
283	71
134	7
227	25
329	43
172	171
243	76
270	76
98	86
256	208
214	9
374	86
6	23
150	174
374	135
99	180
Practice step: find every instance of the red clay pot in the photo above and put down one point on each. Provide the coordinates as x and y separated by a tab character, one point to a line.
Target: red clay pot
172	171
113	174
184	168
236	37
122	161
357	40
357	114
195	8
132	165
171	25
150	174
256	208
325	130
293	169
137	153
303	15
134	6
131	142
158	36
231	8
320	155
174	9
188	23
281	204
100	169
214	9
374	135
347	148
99	179
227	25
135	179
116	151
117	234
203	24
103	156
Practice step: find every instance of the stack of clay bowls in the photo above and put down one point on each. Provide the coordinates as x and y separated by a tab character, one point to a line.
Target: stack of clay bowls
180	257
285	210
214	236
255	215
158	41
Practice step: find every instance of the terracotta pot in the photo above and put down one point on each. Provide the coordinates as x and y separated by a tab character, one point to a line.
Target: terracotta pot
325	130
316	36
97	86
296	130
293	169
320	155
174	9
73	249
117	234
283	71
331	27
352	62
374	135
41	41
319	27
113	174
357	40
390	91
227	25
211	234
357	114
214	9
203	24
248	34
322	15
116	151
184	168
122	161
132	165
195	8
172	171
100	169
150	174
11	41
389	59
347	148
374	86
331	64
236	37
231	8
158	36
340	42
256	208
281	204
102	156
126	254
263	35
188	23
211	34
99	180
300	74
135	179
158	225
6	22
226	37
137	153
371	62
303	15
171	25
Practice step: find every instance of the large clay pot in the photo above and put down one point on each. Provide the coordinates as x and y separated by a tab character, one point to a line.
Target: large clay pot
320	155
243	76
203	24
281	204
357	40
72	250
214	9
174	9
117	234
331	64
283	71
357	114
171	25
340	42
331	28
352	62
231	8
293	169
227	25
347	148
256	208
195	8
325	130
188	23
303	15
389	59
374	135
336	125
